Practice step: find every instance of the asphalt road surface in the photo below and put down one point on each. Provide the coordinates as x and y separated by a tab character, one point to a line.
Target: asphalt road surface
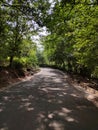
47	102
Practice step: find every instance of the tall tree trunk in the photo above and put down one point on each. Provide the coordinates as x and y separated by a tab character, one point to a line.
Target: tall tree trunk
69	66
11	61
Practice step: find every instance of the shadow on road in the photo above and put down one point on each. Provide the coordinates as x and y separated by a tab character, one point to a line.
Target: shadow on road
46	102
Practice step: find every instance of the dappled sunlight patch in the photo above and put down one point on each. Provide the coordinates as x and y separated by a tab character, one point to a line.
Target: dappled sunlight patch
57	80
65	85
40	117
31	97
50	101
24	99
51	115
30	109
11	97
44	89
54	89
6	98
4	128
65	110
69	119
64	93
26	106
60	95
62	114
93	99
55	125
74	95
1	109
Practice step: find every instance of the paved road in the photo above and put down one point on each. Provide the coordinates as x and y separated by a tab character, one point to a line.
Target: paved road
46	102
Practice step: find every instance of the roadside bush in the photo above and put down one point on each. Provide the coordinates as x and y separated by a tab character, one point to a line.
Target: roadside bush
95	72
17	64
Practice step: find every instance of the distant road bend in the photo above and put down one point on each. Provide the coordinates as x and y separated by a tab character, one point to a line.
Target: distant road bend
47	102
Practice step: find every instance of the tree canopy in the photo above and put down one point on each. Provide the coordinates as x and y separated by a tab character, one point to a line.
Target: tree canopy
19	21
72	42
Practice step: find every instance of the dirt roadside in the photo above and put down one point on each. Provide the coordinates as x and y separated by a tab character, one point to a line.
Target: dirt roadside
10	76
89	86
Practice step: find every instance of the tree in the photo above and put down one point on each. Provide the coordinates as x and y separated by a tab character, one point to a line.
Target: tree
19	22
74	22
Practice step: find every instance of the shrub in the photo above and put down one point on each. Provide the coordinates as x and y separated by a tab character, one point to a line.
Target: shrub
17	64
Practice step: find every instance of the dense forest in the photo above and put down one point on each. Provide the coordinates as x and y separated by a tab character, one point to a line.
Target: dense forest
72	34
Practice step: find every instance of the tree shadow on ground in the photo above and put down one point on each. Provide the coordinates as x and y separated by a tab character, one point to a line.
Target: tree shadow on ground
46	103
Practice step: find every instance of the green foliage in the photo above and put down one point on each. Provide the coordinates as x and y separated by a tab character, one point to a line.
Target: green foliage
42	59
73	42
95	72
17	21
17	64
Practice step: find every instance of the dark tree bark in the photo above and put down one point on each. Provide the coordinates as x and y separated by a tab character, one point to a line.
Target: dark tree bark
11	61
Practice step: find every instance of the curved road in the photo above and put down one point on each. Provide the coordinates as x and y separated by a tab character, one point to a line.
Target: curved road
46	102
